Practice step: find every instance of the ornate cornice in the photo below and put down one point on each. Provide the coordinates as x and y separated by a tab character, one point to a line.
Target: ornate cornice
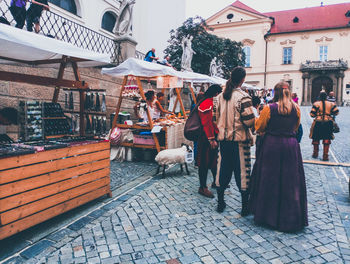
305	36
287	42
323	39
248	42
332	65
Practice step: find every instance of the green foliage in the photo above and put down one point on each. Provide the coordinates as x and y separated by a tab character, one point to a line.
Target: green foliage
206	45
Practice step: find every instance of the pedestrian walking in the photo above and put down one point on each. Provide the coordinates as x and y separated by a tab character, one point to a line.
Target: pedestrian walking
235	118
207	145
323	112
278	193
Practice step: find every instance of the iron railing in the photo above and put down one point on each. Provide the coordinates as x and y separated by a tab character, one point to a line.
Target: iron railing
58	27
61	28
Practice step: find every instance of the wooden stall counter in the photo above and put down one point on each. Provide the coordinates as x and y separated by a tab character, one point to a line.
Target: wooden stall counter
36	187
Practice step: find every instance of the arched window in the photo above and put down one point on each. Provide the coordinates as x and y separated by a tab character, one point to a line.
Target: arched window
246	51
108	21
68	5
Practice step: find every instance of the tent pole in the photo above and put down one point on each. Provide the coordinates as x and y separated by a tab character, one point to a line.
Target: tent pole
150	121
181	103
119	104
81	100
59	77
192	93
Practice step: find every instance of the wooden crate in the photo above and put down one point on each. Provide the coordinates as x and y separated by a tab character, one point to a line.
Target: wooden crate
37	187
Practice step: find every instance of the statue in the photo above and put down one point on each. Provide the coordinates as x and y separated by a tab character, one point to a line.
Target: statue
124	22
187	53
215	68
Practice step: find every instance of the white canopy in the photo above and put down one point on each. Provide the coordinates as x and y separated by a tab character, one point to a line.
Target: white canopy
147	69
250	87
21	45
140	68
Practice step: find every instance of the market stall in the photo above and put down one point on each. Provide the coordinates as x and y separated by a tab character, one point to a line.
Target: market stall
53	173
170	129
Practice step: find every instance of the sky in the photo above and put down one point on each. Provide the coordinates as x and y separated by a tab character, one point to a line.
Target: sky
207	8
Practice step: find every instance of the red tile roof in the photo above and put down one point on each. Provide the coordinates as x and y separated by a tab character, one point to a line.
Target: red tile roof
240	5
312	18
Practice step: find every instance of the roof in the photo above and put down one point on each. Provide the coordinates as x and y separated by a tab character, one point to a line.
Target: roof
242	6
311	18
19	46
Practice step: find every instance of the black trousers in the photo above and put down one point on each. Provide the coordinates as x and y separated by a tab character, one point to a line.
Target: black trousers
19	14
230	162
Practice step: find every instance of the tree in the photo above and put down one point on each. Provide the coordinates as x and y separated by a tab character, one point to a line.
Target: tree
206	45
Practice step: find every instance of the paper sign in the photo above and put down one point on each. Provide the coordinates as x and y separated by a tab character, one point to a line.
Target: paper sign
156	129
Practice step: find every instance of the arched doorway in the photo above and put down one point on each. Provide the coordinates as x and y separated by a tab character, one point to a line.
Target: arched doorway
318	84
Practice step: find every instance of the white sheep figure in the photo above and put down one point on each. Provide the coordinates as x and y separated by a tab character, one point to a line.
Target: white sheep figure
172	156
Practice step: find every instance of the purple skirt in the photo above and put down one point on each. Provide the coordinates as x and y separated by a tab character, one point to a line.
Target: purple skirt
278	190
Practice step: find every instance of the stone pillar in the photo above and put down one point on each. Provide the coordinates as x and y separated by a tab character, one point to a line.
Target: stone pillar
125	48
305	77
340	88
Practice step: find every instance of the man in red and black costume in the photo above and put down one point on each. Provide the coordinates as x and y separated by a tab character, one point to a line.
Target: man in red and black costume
207	144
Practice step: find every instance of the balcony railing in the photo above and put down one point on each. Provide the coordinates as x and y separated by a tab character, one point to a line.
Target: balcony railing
61	28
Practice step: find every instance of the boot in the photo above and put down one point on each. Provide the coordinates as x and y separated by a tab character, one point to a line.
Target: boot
221	202
205	192
316	149
325	152
245	207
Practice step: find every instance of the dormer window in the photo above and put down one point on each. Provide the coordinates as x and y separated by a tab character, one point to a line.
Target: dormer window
296	20
347	14
230	16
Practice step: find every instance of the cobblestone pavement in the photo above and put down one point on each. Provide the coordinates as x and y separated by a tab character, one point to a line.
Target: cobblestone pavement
124	172
166	221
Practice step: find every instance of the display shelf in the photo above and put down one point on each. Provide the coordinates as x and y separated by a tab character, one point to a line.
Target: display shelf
85	112
85	90
57	117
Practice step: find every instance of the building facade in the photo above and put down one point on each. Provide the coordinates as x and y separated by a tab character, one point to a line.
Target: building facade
308	48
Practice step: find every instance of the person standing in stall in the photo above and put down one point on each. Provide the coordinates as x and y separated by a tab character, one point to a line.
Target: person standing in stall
207	145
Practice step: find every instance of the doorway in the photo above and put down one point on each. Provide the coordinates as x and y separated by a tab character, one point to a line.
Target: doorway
318	84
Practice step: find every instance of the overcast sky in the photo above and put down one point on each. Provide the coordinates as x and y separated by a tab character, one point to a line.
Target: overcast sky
207	8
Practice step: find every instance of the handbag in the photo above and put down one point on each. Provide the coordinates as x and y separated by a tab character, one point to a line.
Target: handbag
336	128
193	125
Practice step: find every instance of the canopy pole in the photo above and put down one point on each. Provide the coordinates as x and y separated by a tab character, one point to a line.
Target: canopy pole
81	99
119	104
150	121
59	77
181	103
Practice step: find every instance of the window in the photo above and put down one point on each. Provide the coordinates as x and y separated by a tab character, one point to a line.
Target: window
323	53
68	5
246	51
230	16
296	20
108	21
287	55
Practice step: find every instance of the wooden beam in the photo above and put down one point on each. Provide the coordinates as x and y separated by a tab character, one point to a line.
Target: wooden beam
40	80
41	62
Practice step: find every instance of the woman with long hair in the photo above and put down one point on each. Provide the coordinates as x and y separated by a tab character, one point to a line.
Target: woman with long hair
235	118
278	194
207	152
322	128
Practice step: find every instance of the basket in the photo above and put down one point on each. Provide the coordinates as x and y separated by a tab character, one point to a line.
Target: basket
144	139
